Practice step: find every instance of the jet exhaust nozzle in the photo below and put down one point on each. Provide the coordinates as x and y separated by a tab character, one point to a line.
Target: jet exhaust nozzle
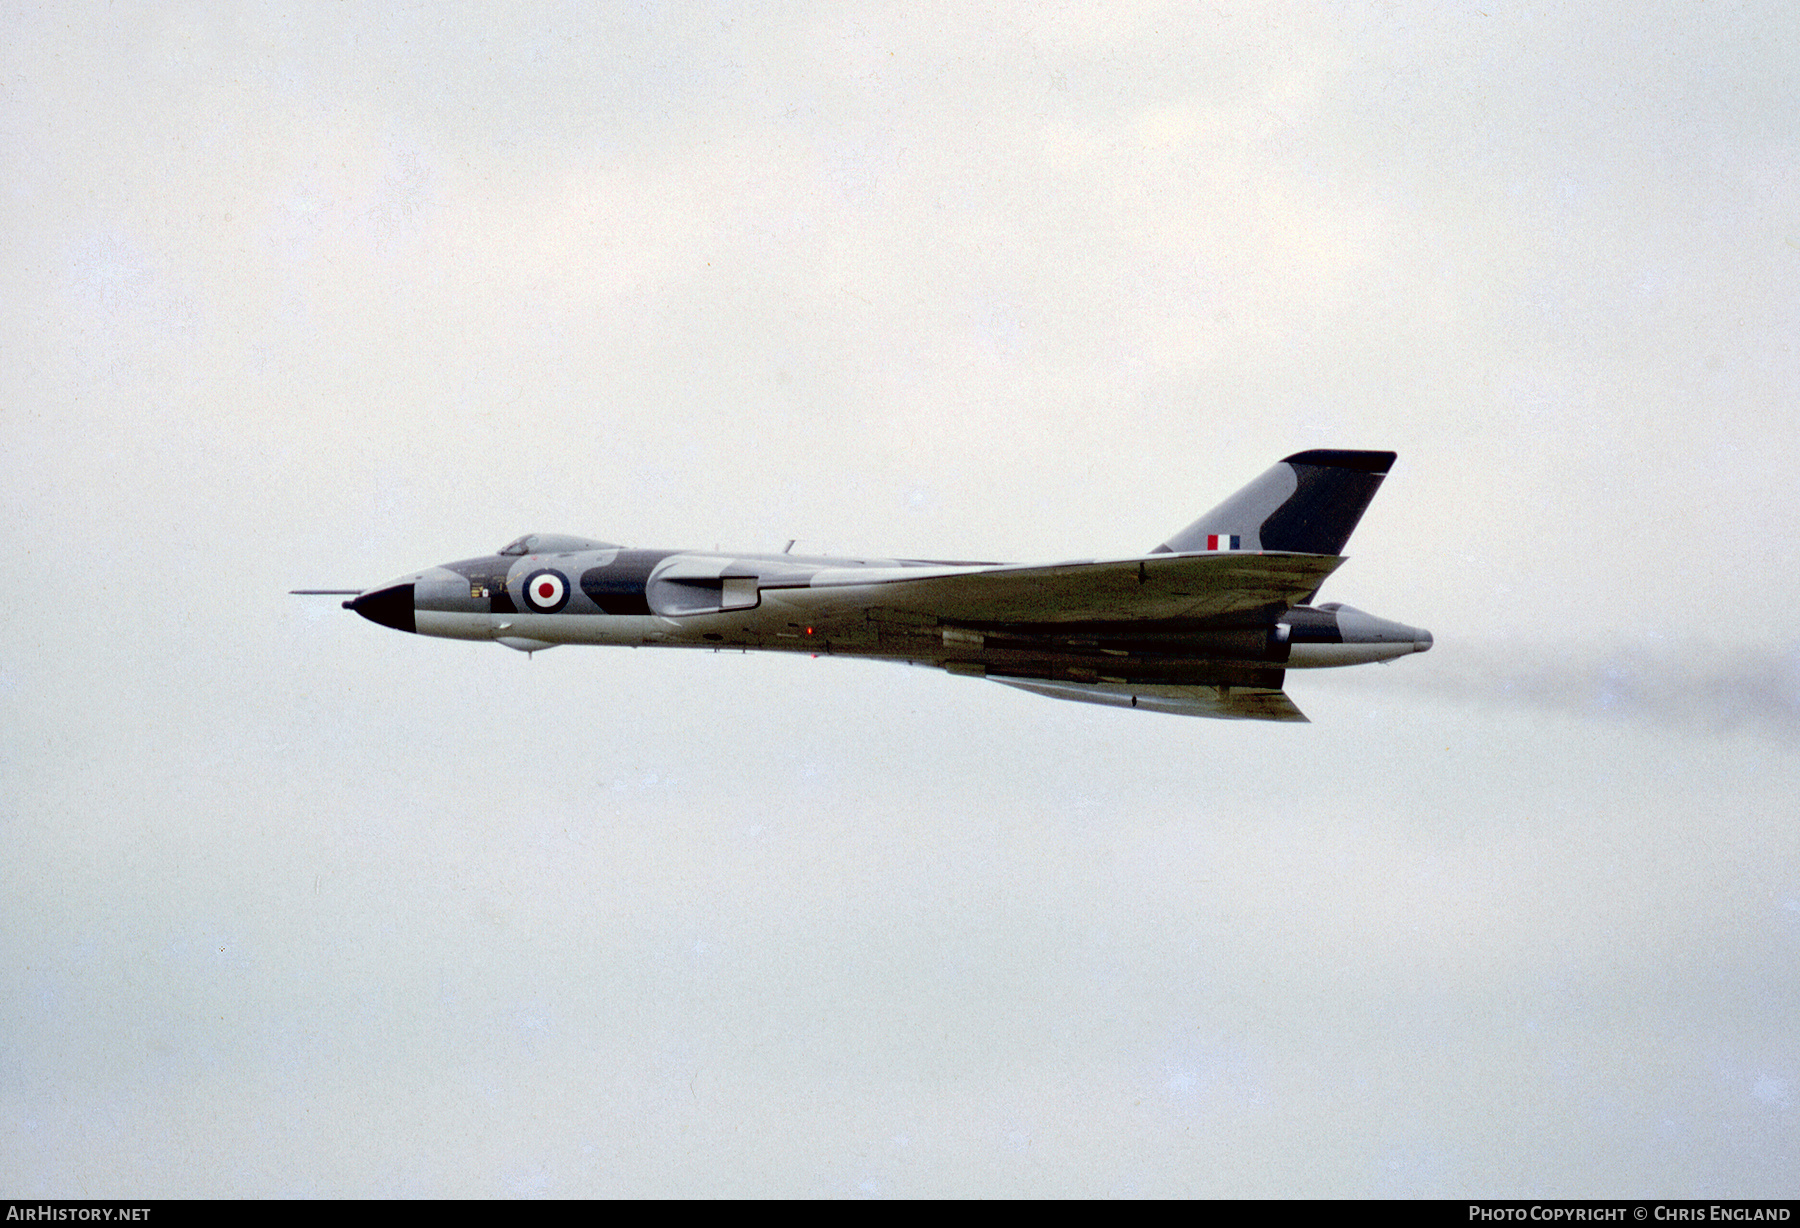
1343	635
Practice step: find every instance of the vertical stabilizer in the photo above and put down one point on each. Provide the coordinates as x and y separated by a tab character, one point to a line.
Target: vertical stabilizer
1308	503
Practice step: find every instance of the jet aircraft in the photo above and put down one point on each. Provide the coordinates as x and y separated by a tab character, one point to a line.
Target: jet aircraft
1205	624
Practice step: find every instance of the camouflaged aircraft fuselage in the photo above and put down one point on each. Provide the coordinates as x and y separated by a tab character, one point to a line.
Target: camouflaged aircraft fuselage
1204	625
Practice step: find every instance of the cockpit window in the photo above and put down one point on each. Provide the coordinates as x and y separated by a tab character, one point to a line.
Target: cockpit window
552	543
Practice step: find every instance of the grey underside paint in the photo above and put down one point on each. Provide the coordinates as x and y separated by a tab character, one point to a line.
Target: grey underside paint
1217	702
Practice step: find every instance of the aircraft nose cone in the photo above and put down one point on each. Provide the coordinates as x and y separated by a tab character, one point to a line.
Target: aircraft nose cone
391	607
1422	641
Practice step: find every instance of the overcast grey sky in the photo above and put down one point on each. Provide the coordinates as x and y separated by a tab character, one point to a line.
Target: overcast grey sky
293	904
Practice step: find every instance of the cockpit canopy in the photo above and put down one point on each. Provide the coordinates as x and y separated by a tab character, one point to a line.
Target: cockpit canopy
553	543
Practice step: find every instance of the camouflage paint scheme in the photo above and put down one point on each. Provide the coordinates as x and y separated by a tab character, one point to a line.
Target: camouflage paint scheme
1204	625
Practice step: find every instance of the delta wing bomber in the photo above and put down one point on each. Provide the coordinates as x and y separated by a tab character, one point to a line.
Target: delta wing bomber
1206	624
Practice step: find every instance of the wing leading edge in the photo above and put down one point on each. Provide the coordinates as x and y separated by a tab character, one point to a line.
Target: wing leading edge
1153	588
1014	615
1232	703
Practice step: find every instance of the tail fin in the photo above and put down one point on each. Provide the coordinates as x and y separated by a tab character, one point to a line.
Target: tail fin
1309	503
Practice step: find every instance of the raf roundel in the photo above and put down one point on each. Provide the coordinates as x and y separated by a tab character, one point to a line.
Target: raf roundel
546	591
